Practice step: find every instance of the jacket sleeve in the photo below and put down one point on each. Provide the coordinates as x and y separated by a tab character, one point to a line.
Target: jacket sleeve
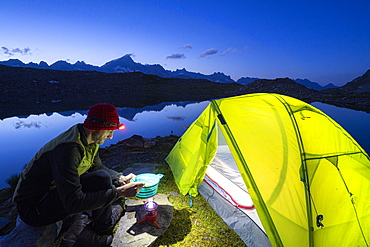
65	159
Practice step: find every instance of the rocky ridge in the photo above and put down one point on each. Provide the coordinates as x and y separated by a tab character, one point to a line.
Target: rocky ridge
26	91
126	64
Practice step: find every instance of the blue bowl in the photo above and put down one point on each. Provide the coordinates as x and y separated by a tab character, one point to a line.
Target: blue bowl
151	184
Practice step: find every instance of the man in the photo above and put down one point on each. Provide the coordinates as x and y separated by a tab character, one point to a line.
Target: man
66	176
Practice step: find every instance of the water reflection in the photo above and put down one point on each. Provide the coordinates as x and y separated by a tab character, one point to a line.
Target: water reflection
356	123
22	137
23	124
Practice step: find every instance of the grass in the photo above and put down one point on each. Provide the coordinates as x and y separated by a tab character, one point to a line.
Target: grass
12	181
197	225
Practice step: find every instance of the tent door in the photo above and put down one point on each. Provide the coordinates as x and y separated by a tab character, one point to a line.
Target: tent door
225	191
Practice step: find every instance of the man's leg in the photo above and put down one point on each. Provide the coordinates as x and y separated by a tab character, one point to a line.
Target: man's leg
89	235
48	210
93	181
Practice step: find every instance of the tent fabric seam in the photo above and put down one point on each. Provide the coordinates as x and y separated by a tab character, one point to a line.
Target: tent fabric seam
304	165
233	202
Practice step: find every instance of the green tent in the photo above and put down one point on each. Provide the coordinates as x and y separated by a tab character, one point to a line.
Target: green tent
308	179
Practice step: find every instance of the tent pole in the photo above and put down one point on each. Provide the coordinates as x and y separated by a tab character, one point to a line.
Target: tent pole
308	204
304	166
274	236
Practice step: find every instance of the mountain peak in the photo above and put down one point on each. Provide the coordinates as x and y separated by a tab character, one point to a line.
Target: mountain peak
80	63
246	80
124	61
43	64
126	58
310	84
359	84
123	64
14	62
182	70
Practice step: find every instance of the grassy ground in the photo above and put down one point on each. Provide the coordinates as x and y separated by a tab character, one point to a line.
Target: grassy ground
196	225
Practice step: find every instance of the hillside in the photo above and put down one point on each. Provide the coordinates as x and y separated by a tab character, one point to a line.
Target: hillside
360	84
27	91
354	95
284	86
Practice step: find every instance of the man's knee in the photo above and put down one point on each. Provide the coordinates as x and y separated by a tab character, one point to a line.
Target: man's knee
96	180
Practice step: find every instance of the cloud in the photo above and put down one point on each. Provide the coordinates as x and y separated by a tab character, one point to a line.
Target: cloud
231	50
176	56
176	118
12	51
187	46
209	52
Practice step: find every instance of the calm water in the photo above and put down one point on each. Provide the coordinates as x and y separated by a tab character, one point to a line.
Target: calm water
22	137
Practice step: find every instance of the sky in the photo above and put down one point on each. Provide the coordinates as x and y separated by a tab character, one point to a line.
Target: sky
324	41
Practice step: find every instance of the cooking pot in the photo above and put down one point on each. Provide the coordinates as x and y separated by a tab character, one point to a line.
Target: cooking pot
151	184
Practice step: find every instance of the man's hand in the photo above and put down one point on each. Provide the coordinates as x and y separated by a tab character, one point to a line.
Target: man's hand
126	179
130	189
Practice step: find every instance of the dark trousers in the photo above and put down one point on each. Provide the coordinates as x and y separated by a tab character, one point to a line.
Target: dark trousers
50	209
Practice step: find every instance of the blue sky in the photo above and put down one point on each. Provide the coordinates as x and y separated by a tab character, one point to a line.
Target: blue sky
323	41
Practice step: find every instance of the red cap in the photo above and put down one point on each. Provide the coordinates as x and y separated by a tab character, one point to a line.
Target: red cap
102	116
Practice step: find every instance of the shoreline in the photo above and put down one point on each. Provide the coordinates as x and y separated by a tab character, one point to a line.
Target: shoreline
358	102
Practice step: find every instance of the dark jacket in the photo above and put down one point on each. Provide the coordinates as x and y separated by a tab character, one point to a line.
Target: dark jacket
58	165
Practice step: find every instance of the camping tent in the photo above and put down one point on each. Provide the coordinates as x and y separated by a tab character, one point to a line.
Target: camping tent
297	178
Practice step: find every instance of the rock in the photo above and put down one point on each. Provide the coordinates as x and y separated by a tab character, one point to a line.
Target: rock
25	235
139	168
148	143
134	141
132	232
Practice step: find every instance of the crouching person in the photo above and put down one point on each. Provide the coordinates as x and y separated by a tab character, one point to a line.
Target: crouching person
66	176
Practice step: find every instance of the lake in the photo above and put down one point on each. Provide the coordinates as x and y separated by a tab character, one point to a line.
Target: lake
23	136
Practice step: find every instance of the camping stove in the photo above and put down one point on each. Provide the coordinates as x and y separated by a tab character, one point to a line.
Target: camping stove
150	212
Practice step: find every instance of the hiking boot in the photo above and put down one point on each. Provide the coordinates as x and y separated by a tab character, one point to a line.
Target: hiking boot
88	238
117	211
76	224
80	234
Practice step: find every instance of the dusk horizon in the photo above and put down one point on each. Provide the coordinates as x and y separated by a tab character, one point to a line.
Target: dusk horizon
41	63
325	42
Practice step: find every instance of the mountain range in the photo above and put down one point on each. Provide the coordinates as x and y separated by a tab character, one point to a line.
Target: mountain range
25	90
127	64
